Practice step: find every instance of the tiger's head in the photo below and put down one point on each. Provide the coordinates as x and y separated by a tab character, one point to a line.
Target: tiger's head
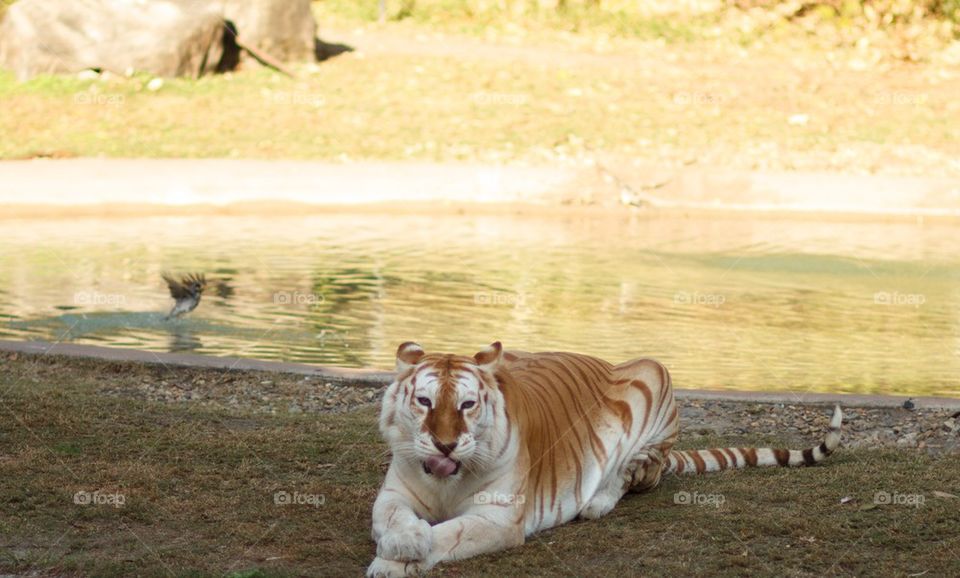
441	411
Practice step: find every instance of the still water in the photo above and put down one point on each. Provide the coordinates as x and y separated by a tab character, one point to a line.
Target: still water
737	303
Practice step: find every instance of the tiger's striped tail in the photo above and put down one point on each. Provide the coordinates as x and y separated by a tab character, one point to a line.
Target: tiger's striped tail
716	459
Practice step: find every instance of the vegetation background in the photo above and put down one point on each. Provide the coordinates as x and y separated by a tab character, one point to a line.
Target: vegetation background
852	86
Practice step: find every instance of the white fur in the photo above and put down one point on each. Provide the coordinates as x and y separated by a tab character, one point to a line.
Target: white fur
467	526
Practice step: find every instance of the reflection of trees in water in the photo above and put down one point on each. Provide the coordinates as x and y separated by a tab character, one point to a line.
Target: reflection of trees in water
366	309
223	285
183	339
223	289
351	299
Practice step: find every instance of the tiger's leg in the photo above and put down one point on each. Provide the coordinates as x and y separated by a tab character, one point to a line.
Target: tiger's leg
660	428
640	473
646	468
645	471
604	499
403	539
399	532
472	534
647	387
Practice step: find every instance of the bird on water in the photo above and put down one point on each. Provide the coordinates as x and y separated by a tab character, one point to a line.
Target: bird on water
186	292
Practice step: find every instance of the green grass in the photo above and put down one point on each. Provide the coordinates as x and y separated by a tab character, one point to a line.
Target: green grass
199	489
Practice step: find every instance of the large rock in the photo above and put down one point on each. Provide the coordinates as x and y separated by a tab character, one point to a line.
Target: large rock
162	37
284	29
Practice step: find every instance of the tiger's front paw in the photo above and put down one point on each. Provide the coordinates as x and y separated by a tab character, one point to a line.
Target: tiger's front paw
409	543
382	568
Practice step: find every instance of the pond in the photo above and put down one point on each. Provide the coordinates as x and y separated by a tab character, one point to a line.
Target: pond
726	302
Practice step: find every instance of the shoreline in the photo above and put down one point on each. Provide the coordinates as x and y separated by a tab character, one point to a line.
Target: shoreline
373	378
93	187
245	390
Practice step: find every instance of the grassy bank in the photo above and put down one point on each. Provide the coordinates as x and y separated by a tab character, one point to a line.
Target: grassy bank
535	106
697	94
658	87
198	489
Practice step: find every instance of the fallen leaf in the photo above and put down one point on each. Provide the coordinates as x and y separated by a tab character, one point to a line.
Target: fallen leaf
868	507
846	500
940	494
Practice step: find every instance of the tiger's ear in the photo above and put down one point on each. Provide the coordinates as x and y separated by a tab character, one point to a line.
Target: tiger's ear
489	358
408	354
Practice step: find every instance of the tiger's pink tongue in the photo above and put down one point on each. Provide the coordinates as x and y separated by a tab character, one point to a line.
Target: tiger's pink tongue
441	466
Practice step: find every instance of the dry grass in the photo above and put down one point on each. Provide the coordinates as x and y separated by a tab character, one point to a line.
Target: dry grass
199	499
740	113
669	90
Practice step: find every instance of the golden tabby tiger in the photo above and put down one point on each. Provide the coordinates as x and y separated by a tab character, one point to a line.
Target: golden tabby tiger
492	448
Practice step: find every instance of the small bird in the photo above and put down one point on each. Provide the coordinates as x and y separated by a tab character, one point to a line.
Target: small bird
909	404
186	291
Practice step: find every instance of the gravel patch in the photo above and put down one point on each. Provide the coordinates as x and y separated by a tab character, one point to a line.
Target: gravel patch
930	430
933	431
250	391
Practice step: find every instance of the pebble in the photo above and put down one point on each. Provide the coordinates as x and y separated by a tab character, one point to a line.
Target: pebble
800	426
929	430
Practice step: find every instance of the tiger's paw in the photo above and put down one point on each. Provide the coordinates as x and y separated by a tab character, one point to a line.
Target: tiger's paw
598	506
410	543
382	568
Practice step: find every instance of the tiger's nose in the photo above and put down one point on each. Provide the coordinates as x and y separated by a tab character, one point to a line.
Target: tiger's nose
445	448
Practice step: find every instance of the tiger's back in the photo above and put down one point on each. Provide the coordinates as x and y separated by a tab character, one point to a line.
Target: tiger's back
580	421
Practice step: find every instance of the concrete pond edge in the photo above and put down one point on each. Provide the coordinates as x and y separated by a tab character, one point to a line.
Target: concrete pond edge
380	378
41	188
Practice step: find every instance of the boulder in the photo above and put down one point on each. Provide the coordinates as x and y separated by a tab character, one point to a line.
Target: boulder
161	37
284	29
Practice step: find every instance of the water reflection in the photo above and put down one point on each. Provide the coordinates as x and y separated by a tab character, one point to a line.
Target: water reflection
726	303
183	339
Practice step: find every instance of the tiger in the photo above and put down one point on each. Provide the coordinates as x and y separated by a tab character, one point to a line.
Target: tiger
490	449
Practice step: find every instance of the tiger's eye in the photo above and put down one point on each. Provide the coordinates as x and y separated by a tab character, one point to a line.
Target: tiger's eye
467	405
424	401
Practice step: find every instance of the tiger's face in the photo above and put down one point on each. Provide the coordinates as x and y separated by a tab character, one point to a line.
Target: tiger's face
441	410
